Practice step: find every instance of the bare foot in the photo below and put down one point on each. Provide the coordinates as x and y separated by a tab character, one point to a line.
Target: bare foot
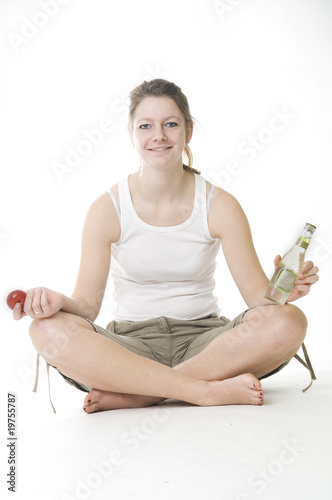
241	390
98	400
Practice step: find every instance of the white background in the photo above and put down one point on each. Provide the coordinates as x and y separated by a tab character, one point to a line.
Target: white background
239	63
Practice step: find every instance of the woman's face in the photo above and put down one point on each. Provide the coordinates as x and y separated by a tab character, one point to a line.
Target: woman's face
159	132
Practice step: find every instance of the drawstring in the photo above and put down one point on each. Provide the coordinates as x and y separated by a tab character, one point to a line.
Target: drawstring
308	365
48	377
49	386
37	374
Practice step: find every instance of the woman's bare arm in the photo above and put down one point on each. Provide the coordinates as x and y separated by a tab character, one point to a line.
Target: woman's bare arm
101	229
228	222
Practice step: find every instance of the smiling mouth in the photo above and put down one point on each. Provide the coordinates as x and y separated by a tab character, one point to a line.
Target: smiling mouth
159	149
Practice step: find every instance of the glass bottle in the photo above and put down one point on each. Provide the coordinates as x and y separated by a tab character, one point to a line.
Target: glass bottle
285	275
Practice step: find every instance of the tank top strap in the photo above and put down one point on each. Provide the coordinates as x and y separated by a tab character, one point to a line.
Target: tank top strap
204	203
209	199
116	206
125	200
203	199
122	184
200	192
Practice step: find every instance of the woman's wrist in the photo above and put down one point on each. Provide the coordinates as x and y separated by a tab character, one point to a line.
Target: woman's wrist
76	306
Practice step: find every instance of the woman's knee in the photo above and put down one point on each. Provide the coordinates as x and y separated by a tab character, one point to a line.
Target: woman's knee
51	336
285	325
291	326
295	319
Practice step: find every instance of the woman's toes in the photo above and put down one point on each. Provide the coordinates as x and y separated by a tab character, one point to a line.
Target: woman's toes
91	401
256	384
91	408
87	399
259	397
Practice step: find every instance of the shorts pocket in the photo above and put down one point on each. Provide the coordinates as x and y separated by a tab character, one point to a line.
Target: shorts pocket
123	327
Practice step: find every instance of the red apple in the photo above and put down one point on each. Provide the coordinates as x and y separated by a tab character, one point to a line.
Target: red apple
15	297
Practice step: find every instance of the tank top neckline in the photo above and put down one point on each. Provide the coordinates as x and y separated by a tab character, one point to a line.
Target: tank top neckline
187	222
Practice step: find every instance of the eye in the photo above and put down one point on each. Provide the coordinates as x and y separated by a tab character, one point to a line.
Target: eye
145	126
171	124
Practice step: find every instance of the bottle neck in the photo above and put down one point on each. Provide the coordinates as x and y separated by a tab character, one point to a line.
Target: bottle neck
306	235
303	242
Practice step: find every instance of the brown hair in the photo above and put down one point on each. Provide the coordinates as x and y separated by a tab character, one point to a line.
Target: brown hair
163	88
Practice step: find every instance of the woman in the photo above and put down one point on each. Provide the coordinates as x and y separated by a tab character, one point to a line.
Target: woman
159	232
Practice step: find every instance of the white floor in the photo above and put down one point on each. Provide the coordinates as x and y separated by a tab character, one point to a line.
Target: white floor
176	451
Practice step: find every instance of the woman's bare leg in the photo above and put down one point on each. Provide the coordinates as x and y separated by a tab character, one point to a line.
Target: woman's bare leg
70	343
268	336
97	400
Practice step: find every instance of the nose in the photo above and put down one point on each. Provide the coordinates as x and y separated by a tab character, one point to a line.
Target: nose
159	134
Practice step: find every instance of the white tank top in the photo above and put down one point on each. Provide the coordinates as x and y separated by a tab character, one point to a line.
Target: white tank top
164	271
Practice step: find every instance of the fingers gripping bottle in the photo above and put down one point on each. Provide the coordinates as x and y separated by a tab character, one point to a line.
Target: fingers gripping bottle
288	269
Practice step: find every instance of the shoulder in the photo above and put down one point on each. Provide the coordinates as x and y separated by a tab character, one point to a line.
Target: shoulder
225	213
102	219
219	195
221	199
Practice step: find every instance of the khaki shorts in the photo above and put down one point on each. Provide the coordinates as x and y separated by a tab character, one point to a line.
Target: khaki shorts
167	341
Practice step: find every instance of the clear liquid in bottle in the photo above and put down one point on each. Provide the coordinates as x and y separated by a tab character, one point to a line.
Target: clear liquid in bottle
286	274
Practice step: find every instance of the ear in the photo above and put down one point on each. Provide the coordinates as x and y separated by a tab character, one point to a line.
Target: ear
189	132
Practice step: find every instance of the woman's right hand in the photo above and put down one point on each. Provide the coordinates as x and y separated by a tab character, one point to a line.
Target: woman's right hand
40	302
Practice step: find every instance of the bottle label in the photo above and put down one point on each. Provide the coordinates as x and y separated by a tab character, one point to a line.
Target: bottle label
285	280
303	242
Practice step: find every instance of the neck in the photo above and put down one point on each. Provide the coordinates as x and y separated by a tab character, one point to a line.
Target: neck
161	184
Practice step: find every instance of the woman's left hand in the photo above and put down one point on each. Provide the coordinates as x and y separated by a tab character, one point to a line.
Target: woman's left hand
307	277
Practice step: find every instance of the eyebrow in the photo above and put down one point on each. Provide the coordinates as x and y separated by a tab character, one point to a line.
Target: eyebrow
150	119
